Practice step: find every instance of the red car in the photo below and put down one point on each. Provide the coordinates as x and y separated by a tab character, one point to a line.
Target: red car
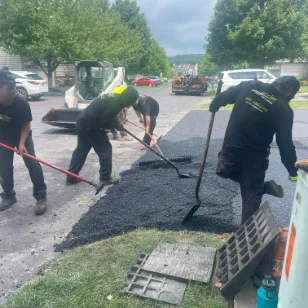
145	81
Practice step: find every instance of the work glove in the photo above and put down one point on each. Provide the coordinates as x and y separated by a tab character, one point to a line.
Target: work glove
293	178
147	129
140	120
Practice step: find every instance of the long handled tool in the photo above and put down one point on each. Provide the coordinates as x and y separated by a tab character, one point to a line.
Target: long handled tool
98	187
149	162
182	175
143	129
195	208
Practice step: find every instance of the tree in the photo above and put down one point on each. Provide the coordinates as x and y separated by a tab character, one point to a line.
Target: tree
259	32
60	31
131	15
208	67
153	58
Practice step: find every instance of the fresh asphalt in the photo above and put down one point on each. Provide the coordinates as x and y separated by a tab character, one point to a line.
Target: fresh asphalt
155	197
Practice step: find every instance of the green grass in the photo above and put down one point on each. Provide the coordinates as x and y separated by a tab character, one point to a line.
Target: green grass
294	105
84	277
303	89
210	93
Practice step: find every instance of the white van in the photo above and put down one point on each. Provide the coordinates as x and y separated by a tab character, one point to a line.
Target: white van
234	77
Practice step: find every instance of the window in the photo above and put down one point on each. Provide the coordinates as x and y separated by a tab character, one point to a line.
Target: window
34	77
250	75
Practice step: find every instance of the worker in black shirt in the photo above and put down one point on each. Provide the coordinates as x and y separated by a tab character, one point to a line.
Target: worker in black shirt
147	107
101	114
15	131
260	111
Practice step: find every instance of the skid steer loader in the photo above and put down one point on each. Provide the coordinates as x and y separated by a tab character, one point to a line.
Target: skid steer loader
92	78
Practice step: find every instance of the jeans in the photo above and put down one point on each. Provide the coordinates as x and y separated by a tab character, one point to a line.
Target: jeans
34	168
86	139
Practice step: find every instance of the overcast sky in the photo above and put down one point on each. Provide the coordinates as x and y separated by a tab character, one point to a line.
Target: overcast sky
178	25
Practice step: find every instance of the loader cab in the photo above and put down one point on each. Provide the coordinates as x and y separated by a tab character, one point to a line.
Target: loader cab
92	78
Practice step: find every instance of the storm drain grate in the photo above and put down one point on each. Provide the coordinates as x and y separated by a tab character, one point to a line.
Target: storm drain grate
152	285
237	259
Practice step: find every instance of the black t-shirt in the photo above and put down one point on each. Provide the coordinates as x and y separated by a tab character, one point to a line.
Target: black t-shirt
12	118
147	106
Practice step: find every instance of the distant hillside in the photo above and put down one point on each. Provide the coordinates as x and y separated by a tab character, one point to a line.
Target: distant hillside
186	58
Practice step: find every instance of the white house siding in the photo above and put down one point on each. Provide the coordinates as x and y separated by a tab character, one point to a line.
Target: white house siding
296	69
13	62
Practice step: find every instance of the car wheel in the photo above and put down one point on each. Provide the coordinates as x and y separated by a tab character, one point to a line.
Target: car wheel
23	92
135	84
36	97
150	85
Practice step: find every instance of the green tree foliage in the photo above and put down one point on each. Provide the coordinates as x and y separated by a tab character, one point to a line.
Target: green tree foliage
58	31
257	31
153	59
208	67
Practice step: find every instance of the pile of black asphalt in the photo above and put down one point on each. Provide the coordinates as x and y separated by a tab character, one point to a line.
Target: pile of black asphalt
155	197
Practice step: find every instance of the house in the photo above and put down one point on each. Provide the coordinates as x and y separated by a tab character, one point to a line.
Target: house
13	62
185	69
296	68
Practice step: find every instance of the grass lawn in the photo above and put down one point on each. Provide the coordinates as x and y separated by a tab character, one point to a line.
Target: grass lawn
294	104
86	276
303	89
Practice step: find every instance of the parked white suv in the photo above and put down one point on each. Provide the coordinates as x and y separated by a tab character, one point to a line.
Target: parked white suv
235	77
30	84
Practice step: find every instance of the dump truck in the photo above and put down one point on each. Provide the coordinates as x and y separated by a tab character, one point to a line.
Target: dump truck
188	84
92	79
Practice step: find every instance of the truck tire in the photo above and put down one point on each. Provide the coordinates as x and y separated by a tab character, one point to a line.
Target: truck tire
36	97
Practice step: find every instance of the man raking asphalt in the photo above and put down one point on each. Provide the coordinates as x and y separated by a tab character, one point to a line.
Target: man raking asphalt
15	131
100	115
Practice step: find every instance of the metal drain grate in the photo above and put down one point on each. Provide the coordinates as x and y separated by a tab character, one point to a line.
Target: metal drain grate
238	258
152	285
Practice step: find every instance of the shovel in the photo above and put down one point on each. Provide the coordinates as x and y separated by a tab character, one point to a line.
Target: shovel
98	187
195	208
181	175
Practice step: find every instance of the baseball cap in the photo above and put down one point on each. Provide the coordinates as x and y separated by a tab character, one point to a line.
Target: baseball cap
7	77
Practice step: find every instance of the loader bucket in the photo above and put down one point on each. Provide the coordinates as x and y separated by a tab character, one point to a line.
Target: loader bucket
65	118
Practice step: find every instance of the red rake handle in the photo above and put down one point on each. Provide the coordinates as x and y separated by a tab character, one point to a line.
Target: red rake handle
47	164
135	124
152	138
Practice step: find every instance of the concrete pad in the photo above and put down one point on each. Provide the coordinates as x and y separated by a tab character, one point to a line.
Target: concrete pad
184	261
247	297
152	285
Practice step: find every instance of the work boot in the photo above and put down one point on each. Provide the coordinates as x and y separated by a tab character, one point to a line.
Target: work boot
126	138
41	206
71	181
273	189
7	203
111	180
